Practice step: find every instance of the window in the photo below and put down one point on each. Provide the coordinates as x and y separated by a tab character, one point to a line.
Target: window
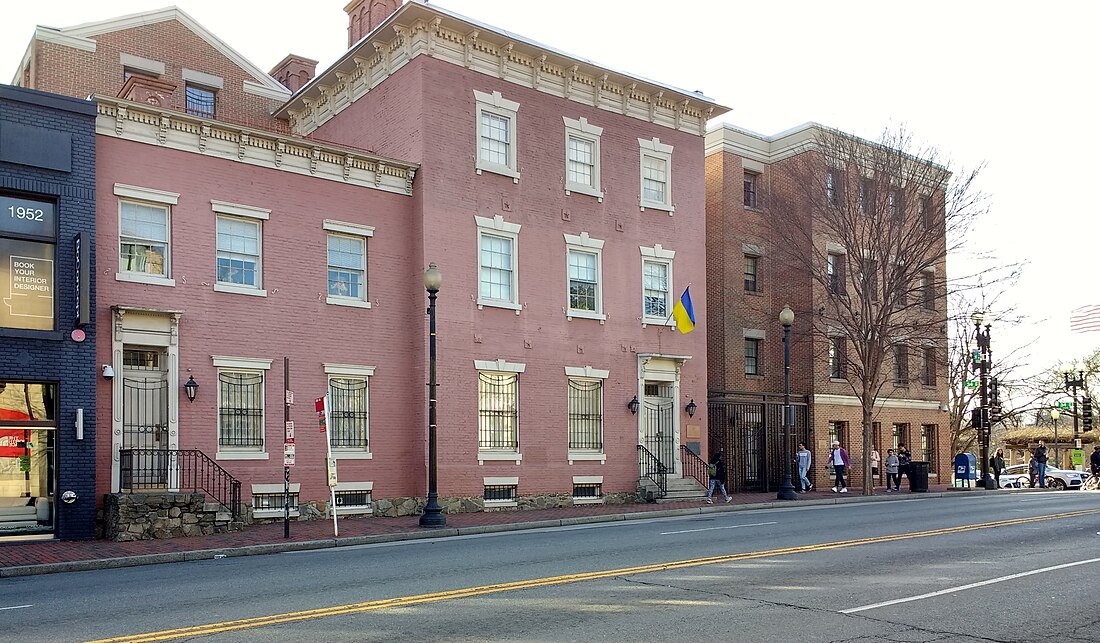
838	432
834	272
893	203
498	411
28	249
582	157
751	265
832	188
497	263
354	497
500	492
751	185
656	284
585	414
656	166
201	101
587	490
928	366
900	435
240	410
837	370
585	271
752	356
928	291
349	416
870	279
901	365
866	196
496	134
267	500
926	212
238	252
927	442
145	234
347	263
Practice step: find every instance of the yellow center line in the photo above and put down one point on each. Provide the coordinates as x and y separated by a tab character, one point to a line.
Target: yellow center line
405	601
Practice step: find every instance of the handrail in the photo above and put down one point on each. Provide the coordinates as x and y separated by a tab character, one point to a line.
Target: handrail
179	469
693	466
653	469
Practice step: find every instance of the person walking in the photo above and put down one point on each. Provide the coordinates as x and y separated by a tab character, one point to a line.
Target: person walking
717	471
904	458
997	463
1041	463
804	458
875	459
892	470
1094	460
838	457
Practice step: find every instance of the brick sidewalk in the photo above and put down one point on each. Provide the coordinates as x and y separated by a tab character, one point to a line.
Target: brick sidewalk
20	557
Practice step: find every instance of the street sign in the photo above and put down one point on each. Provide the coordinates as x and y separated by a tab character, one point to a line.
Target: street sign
332	472
1077	443
290	430
288	460
971	384
290	397
1065	405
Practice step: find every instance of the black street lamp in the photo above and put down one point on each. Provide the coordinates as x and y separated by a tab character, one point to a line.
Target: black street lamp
191	388
433	513
786	489
985	355
1079	381
1054	415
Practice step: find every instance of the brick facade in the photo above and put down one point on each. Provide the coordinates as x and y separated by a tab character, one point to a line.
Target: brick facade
51	356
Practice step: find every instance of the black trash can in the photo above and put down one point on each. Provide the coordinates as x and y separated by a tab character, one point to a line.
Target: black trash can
918	476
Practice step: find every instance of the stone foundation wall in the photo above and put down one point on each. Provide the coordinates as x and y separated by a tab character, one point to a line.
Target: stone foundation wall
131	516
392	507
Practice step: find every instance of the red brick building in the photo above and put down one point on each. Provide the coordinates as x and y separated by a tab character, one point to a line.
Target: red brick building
239	224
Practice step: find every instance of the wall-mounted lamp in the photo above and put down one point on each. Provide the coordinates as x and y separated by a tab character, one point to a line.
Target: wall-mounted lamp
690	408
944	408
108	372
191	388
69	497
633	405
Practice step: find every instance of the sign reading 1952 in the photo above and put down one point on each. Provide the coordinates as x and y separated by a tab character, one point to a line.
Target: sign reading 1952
28	216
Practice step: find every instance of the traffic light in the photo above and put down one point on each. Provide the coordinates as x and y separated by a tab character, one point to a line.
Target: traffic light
994	402
976	355
1086	414
979	418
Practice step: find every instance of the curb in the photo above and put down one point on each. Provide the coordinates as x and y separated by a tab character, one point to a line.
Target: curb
351	541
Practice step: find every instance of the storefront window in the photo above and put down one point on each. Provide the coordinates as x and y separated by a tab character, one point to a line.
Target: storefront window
27	248
27	457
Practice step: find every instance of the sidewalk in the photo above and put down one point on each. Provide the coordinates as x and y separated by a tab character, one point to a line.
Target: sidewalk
24	558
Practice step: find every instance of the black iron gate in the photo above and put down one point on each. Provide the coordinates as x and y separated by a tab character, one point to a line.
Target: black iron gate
145	427
659	438
749	429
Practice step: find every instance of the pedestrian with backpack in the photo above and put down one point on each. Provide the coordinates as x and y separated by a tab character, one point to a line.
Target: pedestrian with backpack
717	472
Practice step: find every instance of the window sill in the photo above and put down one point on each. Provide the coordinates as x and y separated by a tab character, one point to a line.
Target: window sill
589	456
347	301
239	290
588	501
144	278
585	314
754	376
499	456
653	205
496	303
500	504
242	455
586	190
273	513
754	293
657	321
838	380
352	455
502	170
754	208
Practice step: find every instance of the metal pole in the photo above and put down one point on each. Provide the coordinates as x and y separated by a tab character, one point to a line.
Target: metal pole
286	469
433	513
786	490
1056	439
1076	431
984	431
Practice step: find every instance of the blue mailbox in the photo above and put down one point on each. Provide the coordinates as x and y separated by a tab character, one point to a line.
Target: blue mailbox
966	469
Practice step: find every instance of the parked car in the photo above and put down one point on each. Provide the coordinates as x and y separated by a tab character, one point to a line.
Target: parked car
1056	478
1013	481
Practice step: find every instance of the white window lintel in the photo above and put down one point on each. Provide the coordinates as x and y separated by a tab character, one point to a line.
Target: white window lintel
146	194
586	371
497	224
224	361
349	369
499	365
203	78
239	210
349	228
583	126
655	145
494	481
753	333
587	479
496	100
583	241
752	249
657	252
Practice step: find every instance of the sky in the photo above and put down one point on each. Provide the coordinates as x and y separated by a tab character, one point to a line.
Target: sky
1007	84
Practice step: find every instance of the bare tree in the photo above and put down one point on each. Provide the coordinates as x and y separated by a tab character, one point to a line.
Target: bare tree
870	225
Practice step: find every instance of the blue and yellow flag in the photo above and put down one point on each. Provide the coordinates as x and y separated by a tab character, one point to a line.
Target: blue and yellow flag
683	313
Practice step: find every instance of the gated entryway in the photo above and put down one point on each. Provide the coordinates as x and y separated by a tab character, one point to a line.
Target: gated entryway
145	418
750	431
658	434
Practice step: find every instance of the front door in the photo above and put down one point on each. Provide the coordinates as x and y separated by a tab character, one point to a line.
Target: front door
144	419
658	431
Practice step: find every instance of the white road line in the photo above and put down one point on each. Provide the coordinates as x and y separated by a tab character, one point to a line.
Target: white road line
16	607
689	531
970	586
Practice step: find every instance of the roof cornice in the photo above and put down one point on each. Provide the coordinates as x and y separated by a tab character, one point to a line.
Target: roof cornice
417	28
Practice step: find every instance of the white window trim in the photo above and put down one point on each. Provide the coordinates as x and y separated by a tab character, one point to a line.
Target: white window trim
158	197
356	486
586	244
270	489
238	289
587	372
202	79
352	230
657	254
588	480
752	250
753	333
239	210
656	149
507	481
137	63
583	130
244	364
352	370
499	366
497	226
496	104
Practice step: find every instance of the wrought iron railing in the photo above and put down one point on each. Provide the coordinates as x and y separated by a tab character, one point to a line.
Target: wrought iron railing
178	470
693	466
653	469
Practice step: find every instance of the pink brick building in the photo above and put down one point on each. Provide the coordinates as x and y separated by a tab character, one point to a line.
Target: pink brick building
240	224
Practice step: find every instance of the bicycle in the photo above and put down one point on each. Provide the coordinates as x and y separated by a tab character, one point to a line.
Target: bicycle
1092	484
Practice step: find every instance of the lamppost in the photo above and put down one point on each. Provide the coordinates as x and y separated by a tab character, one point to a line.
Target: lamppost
1054	415
433	513
786	489
1076	382
986	358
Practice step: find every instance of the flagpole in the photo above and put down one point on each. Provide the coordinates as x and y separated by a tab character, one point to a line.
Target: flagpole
669	318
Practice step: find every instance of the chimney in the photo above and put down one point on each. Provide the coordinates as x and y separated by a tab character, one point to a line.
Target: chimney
294	71
365	15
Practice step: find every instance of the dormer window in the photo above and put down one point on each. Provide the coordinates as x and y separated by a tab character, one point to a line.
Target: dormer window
201	101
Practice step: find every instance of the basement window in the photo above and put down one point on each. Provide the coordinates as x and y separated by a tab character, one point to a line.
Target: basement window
267	500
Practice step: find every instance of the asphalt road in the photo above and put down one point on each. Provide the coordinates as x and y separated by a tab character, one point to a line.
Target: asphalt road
1005	567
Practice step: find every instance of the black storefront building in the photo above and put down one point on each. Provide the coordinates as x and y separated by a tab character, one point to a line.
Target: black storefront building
47	335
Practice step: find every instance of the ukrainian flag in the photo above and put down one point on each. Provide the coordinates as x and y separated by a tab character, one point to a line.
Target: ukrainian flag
684	313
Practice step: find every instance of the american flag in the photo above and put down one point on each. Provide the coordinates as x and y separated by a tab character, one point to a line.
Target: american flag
1085	319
